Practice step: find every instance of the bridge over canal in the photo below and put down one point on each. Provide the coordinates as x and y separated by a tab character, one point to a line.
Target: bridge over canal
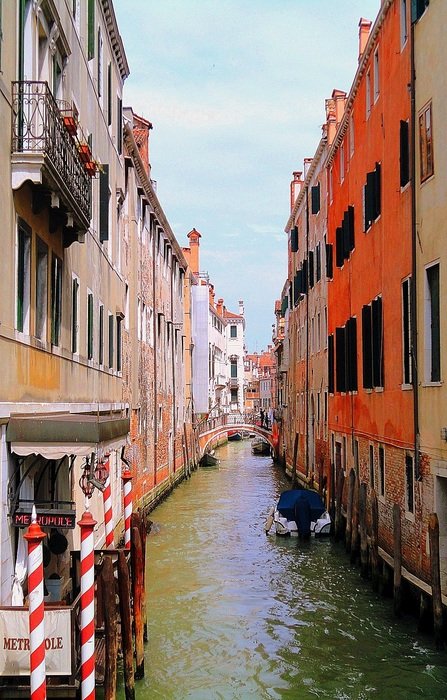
214	428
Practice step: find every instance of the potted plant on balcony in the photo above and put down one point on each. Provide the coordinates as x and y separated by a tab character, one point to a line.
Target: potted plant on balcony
70	124
85	153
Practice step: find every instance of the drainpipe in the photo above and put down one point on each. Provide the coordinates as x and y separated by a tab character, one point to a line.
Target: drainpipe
307	332
174	397
413	300
155	327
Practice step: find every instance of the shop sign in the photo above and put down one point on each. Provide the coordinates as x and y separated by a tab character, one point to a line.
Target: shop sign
14	642
65	520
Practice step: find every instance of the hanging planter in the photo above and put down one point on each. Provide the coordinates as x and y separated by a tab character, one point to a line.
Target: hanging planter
70	124
85	153
91	168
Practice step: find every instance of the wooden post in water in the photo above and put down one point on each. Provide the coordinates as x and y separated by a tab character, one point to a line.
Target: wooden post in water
397	605
339	495
295	456
363	532
355	523
351	487
185	440
126	625
137	595
111	634
375	574
433	535
99	603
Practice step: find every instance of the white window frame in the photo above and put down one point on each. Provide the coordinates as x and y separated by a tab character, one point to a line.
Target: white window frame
376	75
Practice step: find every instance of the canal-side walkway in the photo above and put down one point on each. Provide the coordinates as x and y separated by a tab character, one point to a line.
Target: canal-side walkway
236	615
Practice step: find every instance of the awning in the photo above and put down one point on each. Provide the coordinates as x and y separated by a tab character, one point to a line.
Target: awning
55	435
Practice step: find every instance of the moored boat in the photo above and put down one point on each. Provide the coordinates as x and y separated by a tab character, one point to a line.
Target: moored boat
299	512
234	435
260	447
209	460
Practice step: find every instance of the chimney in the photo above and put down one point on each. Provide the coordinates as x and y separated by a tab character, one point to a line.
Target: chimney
295	187
212	294
241	307
194	245
331	120
307	162
219	307
141	128
339	98
364	29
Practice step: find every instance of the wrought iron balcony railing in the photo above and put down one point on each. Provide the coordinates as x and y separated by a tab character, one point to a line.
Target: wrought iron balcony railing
44	151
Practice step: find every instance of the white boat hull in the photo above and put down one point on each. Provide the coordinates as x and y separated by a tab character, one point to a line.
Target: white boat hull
283	527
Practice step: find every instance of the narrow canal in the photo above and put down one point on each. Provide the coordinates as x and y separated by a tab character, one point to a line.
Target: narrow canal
236	615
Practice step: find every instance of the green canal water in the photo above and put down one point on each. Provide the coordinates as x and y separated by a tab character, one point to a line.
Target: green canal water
234	614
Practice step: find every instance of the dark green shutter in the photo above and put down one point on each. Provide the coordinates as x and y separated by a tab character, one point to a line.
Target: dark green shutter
377	342
101	335
340	367
294	239
351	354
109	94
433	285
377	208
119	126
367	347
91	30
329	260
315	196
305	278
330	356
351	233
339	247
74	316
369	200
311	269
318	262
104	204
118	343
90	326
111	322
404	154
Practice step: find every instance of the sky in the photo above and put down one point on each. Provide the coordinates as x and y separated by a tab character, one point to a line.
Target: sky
235	91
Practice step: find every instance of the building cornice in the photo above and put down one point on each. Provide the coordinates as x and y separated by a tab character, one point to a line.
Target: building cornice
146	184
115	38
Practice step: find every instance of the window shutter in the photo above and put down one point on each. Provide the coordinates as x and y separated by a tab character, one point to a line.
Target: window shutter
377	342
330	357
119	126
351	228
318	262
329	260
340	359
377	191
294	239
339	247
111	322
311	269
74	318
91	30
369	200
404	154
296	287
315	196
345	229
305	278
351	354
367	347
109	94
90	326
104	204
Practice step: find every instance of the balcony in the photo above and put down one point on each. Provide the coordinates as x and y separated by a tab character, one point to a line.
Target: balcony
46	153
220	381
234	382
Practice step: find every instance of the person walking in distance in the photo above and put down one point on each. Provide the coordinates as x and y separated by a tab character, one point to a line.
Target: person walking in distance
262	417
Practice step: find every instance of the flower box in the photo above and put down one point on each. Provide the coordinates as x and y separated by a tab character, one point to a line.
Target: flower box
91	168
70	124
84	152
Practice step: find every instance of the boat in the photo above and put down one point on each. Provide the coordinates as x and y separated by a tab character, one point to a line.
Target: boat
299	512
234	435
260	447
209	460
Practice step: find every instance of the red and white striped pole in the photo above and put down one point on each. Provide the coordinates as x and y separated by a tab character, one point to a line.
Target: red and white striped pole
87	525
108	512
34	537
127	488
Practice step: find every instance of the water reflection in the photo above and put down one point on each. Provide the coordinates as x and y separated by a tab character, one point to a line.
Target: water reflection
234	614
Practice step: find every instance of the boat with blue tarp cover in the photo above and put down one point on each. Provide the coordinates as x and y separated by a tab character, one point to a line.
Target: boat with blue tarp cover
299	512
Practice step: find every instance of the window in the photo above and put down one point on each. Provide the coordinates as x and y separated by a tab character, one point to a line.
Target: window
74	314
56	299
101	335
330	355
23	276
371	466
118	343
426	143
345	237
372	344
89	325
404	154
418	8
346	356
376	75
432	326
119	125
111	324
40	329
351	135
109	94
233	367
342	161
409	483
381	471
368	95
403	23
233	395
311	269
406	332
329	263
233	331
315	197
372	197
91	30
330	184
318	262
